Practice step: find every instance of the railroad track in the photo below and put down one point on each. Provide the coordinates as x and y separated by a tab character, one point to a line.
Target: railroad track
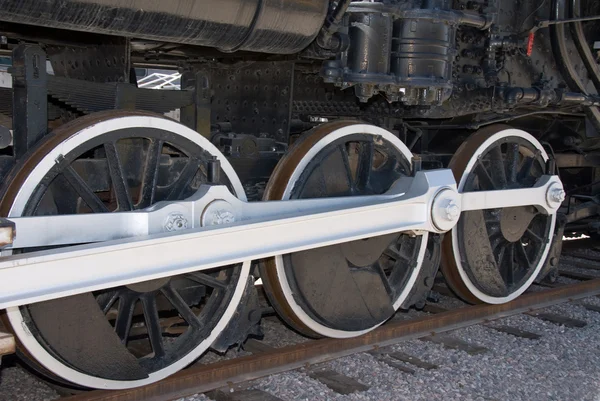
266	360
577	265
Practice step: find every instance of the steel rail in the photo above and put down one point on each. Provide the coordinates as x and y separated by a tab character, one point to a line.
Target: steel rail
203	378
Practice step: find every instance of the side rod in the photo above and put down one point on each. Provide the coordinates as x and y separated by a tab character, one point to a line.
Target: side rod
39	276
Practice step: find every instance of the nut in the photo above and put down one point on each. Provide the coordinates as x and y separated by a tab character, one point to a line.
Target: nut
557	195
218	212
445	210
176	222
452	211
217	217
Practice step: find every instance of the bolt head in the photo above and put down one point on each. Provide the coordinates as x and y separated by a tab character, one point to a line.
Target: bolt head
446	209
558	195
555	196
452	211
218	217
176	222
218	212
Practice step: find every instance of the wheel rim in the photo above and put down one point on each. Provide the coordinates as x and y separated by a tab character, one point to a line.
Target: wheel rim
291	281
203	302
494	255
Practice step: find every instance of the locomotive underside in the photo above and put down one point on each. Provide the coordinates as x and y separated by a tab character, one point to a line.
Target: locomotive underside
459	136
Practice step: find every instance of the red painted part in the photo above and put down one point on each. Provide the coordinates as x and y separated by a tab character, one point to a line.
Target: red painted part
530	41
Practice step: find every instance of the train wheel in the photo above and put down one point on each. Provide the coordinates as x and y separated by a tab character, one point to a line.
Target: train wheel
136	334
348	289
493	256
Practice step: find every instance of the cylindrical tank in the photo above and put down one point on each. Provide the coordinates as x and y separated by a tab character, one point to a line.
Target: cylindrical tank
269	26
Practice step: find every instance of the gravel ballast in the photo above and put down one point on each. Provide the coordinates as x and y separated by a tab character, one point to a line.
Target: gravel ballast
564	364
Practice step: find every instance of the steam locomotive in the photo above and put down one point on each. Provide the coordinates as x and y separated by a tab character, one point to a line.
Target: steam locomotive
345	153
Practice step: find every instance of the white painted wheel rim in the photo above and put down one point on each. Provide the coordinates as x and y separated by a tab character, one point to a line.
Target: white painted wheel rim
14	315
298	311
511	132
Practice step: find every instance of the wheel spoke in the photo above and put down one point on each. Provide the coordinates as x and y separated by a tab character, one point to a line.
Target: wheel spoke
402	249
484	176
365	164
535	237
379	269
107	299
347	168
527	166
512	159
500	256
496	239
181	306
185	178
125	314
521	254
492	226
497	167
83	190
153	324
396	254
63	195
150	177
206	280
508	267
117	177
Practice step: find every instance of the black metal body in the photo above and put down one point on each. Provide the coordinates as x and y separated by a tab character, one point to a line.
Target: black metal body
30	106
270	26
404	65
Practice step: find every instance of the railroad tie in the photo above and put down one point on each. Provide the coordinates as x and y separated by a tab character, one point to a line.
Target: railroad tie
576	275
243	395
517	332
558	319
549	284
443	290
338	382
413	360
455	343
582	263
394	364
256	346
431	308
590	307
386	357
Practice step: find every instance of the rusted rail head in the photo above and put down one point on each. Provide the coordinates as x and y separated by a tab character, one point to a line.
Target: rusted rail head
7	343
7	232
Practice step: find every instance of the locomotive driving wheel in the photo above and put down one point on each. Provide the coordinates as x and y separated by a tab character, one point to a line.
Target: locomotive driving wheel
347	289
136	334
494	255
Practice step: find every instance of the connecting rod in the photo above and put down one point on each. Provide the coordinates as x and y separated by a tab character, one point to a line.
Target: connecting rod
213	229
